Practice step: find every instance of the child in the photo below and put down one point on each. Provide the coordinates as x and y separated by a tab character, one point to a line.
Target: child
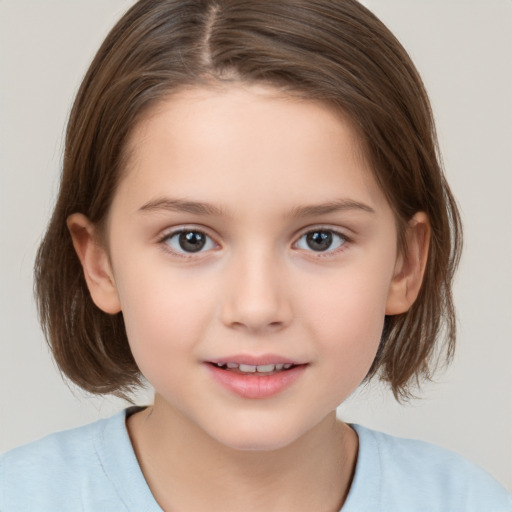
252	216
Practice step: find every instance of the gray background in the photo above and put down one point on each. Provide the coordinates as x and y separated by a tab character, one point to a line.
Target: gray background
463	48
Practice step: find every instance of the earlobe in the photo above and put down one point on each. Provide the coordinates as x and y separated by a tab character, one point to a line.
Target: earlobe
410	267
95	263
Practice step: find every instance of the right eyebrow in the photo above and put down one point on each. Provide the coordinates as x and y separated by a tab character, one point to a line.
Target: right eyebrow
331	207
181	205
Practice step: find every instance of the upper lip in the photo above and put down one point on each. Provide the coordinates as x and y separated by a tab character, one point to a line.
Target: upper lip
255	360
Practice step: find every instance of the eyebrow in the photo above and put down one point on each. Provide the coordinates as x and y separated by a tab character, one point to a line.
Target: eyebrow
330	207
181	205
201	208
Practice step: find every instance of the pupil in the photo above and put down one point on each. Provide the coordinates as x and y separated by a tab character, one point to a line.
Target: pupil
192	241
319	240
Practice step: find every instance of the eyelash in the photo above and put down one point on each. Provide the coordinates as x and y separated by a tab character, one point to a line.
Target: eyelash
343	241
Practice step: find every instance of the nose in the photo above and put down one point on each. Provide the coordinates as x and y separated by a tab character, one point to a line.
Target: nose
257	298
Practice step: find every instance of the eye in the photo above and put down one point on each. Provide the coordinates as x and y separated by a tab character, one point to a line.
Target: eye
189	241
321	240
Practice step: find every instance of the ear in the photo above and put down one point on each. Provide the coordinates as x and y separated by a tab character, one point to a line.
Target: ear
95	263
410	267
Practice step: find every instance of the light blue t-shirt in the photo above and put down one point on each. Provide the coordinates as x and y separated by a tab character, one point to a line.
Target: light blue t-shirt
94	469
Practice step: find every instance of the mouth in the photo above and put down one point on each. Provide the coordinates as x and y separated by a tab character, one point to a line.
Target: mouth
252	378
255	370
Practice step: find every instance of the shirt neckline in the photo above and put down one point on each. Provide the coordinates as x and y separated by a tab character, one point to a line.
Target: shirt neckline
114	449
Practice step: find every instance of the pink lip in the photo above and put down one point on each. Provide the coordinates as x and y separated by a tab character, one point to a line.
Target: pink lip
254	385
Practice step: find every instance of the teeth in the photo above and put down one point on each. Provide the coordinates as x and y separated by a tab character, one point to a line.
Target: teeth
266	368
247	368
250	368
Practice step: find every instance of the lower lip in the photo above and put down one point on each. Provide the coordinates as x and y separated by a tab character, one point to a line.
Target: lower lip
254	385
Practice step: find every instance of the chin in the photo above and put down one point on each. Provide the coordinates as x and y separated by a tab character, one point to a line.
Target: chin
259	437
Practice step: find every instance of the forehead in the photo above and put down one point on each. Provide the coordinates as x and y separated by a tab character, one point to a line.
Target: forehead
232	142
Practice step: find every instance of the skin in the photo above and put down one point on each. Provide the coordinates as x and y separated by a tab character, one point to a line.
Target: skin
259	158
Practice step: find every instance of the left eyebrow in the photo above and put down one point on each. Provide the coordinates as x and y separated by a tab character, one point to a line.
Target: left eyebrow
181	205
330	207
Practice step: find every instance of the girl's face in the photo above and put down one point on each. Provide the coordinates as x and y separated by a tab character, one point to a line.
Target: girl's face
248	235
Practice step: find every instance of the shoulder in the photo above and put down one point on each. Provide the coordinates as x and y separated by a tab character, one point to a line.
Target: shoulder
50	474
414	475
56	448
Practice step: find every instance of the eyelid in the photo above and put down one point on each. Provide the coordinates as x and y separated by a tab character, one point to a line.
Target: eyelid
342	231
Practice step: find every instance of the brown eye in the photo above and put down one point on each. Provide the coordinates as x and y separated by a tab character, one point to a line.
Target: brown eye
189	241
193	241
321	240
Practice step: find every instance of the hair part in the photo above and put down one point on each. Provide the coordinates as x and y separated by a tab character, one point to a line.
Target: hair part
334	51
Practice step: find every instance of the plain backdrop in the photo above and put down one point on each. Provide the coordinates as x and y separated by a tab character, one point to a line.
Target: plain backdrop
463	49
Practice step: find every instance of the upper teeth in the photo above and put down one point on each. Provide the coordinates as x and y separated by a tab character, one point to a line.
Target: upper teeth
261	368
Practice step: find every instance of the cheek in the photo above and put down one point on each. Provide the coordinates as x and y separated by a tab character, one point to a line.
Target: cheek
347	319
165	317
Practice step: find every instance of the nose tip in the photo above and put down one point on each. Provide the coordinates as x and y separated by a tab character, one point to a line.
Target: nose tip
254	321
257	300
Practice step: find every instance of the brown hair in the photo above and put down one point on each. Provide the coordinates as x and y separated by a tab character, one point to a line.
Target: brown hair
334	51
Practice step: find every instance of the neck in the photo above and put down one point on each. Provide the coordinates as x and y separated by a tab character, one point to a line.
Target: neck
188	470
